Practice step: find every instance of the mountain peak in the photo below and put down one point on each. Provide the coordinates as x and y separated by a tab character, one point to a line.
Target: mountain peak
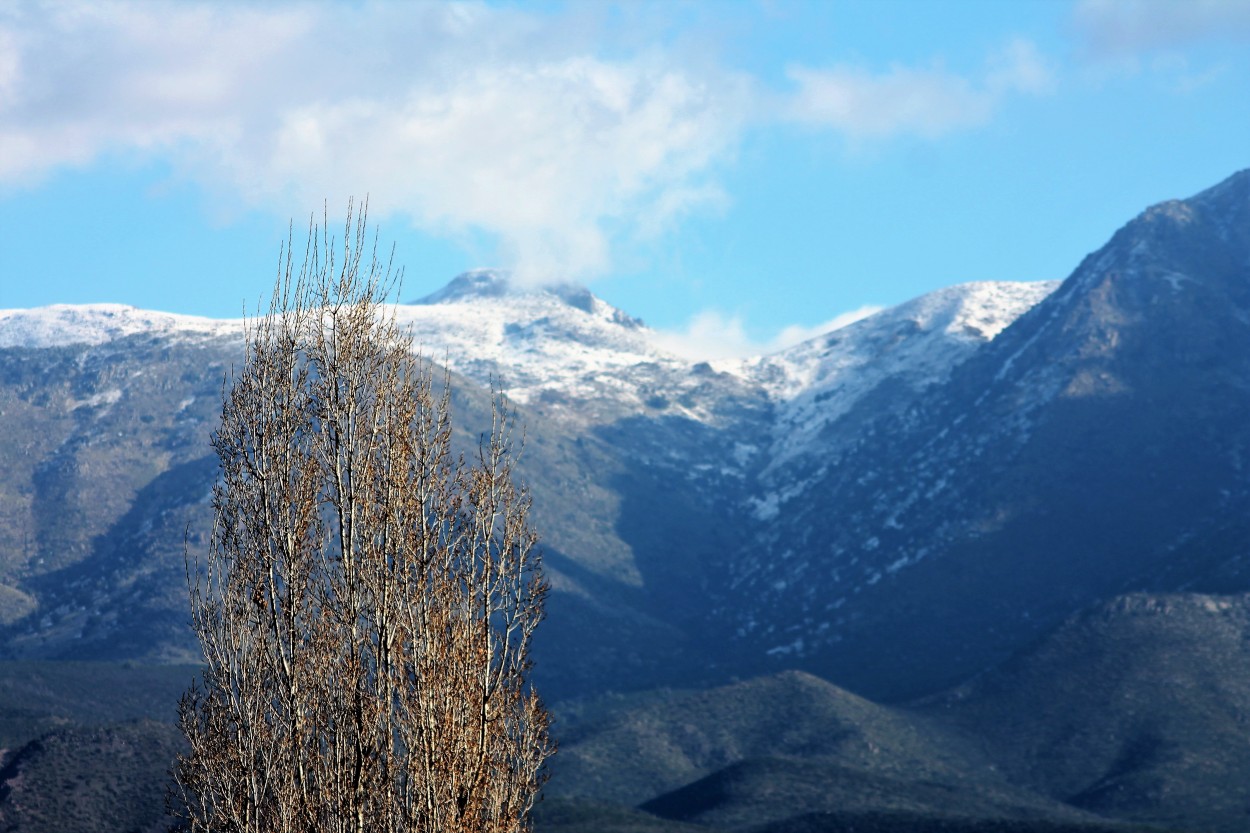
476	283
481	284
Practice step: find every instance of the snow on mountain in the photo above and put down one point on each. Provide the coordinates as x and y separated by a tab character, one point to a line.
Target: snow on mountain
562	345
675	447
530	338
1095	444
554	343
916	343
62	325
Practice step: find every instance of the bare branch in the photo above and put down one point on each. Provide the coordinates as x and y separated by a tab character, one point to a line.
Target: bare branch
367	601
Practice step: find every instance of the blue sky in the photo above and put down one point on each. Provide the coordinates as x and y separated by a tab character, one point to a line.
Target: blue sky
737	174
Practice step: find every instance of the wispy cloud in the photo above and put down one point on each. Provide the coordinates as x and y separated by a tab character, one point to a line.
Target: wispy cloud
1117	29
927	102
712	334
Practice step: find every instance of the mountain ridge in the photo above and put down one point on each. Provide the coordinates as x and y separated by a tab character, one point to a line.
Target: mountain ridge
816	506
1094	439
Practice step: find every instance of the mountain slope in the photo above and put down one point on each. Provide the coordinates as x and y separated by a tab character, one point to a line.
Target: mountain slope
1137	708
102	779
636	751
826	387
774	747
772	791
640	462
896	505
992	457
1097	445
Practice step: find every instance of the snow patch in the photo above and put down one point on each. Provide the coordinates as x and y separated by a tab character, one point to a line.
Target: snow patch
795	647
105	399
1175	279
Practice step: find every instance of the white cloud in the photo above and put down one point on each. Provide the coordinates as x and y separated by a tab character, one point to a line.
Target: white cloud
711	335
1118	29
929	102
540	155
797	333
708	335
462	117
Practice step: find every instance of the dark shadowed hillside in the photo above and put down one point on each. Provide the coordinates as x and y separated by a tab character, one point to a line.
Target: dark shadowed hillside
1138	708
103	779
671	739
38	697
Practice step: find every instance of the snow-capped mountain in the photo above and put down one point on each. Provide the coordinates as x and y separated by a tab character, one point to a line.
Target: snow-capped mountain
1096	445
563	343
604	406
981	456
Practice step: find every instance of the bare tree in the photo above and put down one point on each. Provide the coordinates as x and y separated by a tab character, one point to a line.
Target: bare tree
368	599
